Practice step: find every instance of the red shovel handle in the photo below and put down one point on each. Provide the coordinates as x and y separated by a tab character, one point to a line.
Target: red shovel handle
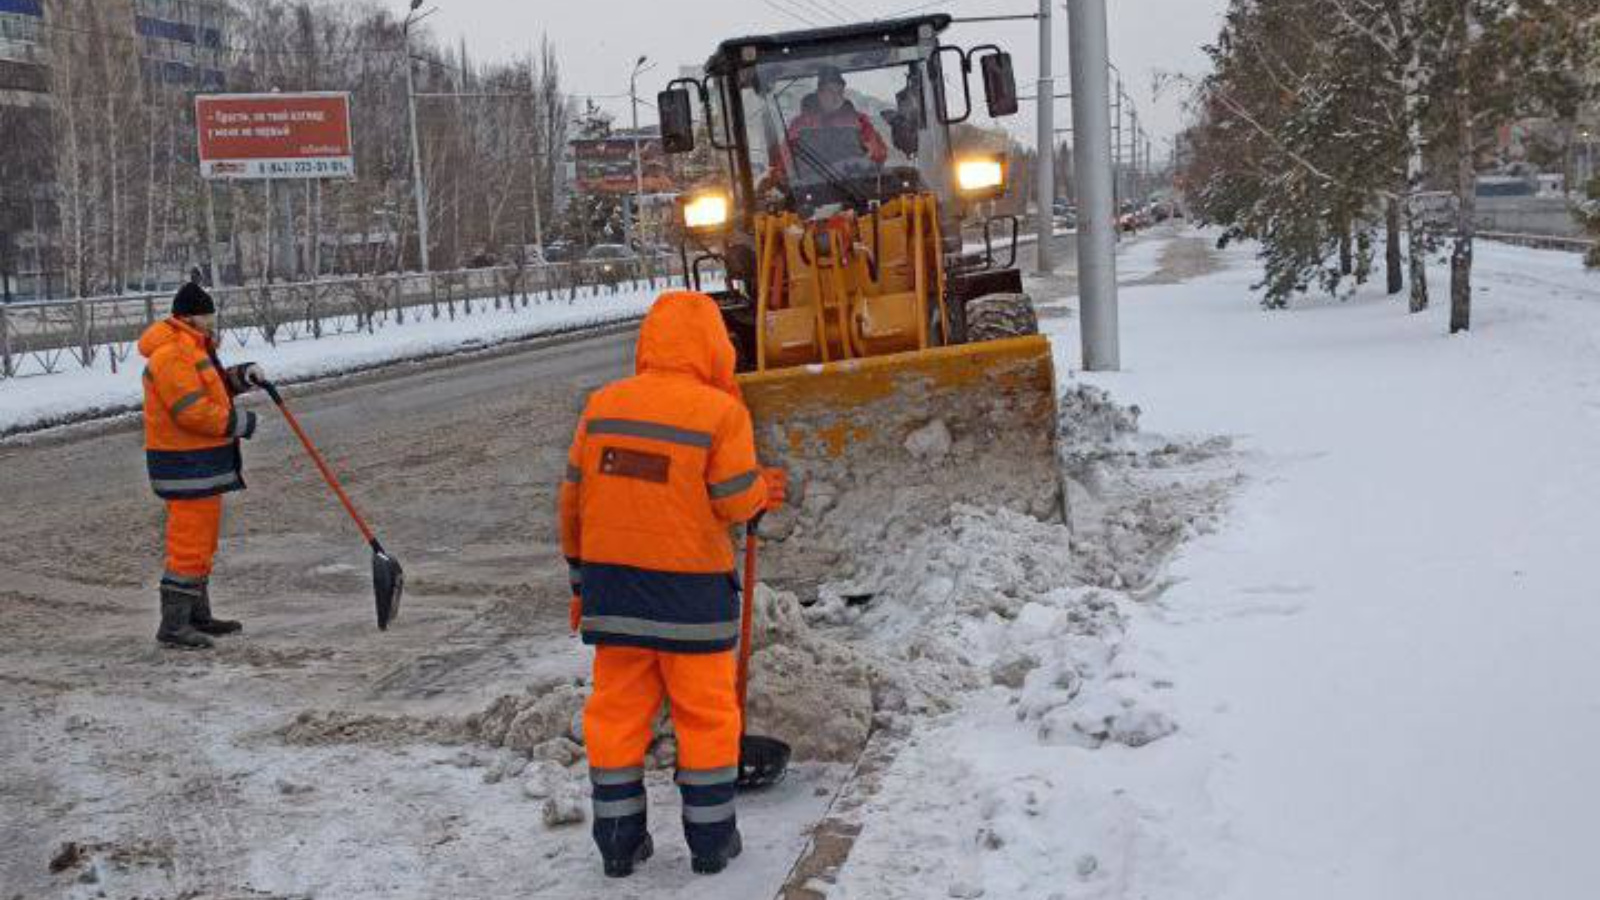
327	473
749	593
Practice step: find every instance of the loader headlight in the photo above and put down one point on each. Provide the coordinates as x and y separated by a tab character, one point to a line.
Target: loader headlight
981	177
706	211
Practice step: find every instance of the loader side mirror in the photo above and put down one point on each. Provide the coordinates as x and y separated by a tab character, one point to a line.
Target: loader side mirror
677	120
999	84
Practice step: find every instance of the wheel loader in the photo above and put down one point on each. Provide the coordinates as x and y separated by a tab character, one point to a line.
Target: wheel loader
888	364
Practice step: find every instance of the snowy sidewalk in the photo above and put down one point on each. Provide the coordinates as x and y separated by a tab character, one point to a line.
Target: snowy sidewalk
1383	665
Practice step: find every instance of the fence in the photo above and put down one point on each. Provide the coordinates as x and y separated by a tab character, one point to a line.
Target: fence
50	336
1540	241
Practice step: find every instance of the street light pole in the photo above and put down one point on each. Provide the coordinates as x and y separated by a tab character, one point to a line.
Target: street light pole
419	190
1045	189
534	148
639	67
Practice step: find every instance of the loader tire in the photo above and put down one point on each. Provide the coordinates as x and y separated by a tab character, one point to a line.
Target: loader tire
998	316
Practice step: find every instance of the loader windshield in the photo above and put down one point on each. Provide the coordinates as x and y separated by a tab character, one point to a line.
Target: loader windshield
844	130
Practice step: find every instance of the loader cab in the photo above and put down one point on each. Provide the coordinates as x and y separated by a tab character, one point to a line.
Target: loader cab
836	118
844	129
837	211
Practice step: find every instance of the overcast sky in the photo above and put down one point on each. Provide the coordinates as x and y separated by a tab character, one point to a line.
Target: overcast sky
598	40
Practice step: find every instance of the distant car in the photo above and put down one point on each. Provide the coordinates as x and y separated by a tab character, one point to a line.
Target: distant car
611	259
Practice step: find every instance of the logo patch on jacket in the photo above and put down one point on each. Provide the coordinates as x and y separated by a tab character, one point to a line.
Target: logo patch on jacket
624	463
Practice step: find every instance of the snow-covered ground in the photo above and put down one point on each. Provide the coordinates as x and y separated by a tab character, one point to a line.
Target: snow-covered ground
38	399
1318	628
1375	671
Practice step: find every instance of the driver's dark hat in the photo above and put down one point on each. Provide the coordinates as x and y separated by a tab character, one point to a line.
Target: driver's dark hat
830	75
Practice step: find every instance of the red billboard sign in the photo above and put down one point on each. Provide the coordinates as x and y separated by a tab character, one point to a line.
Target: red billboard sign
275	135
605	165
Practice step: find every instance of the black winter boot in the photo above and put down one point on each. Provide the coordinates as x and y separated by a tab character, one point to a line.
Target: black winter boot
175	630
200	616
622	866
711	865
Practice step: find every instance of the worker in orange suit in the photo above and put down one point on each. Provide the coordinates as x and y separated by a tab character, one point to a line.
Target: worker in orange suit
663	463
192	432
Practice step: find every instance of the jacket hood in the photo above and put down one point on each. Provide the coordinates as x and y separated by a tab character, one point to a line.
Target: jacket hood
684	333
165	332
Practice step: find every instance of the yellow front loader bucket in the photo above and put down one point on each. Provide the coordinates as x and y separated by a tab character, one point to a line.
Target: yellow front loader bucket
881	447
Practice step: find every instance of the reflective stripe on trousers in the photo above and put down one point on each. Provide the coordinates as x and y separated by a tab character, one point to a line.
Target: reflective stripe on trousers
620	809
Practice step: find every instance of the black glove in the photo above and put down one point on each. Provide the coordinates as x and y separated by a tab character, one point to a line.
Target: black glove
244	425
246	376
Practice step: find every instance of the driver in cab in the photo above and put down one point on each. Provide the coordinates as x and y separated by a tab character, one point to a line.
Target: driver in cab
828	108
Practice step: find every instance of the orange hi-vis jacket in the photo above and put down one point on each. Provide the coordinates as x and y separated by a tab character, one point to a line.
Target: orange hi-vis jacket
191	428
661	465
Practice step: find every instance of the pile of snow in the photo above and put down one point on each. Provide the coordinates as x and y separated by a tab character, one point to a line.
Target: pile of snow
995	600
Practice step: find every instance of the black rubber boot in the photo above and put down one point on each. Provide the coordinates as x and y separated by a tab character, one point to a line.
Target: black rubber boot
175	630
200	617
711	865
622	866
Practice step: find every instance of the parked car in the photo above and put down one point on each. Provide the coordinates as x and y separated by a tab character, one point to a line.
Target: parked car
613	261
560	251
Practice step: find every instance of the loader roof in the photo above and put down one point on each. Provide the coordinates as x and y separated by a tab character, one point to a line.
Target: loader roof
733	53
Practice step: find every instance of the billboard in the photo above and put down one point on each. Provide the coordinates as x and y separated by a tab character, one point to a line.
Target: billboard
605	165
258	136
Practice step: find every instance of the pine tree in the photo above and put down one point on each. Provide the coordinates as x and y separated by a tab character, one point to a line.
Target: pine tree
1312	139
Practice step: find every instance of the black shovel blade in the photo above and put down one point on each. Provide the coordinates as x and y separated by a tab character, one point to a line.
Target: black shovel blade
763	761
388	582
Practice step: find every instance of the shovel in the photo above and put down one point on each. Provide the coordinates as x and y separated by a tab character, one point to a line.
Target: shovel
388	579
763	761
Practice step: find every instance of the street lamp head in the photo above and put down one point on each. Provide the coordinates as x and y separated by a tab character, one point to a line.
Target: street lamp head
642	59
415	5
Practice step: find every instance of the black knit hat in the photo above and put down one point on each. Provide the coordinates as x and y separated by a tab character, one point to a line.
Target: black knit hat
192	300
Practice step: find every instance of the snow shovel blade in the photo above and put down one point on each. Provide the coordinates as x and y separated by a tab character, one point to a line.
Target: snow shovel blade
388	582
763	761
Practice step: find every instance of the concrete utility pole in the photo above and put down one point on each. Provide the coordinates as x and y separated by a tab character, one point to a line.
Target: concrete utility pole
1091	134
1045	190
419	190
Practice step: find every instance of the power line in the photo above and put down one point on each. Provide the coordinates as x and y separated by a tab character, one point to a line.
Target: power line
815	6
772	4
918	8
844	13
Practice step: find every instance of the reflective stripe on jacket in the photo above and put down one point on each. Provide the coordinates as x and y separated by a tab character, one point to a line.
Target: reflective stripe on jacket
191	428
661	465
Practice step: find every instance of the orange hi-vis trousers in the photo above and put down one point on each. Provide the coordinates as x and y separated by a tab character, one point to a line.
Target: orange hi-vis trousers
629	686
193	527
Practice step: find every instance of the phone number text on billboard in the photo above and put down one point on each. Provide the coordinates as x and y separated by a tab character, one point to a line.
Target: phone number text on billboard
333	167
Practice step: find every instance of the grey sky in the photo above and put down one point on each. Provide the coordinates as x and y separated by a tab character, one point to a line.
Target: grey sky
598	40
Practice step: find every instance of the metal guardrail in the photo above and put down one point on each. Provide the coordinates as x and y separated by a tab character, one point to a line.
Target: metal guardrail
1540	241
45	337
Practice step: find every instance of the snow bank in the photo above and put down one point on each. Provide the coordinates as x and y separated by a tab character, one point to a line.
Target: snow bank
73	394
